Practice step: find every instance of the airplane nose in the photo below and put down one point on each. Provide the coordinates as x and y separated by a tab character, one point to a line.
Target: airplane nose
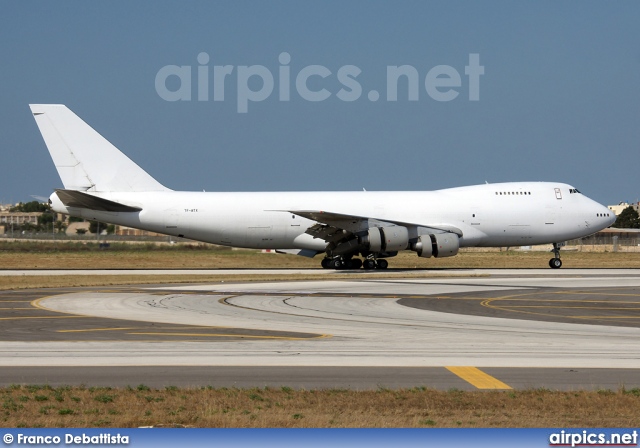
611	217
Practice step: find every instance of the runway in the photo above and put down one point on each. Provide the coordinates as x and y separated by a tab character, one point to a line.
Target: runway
473	330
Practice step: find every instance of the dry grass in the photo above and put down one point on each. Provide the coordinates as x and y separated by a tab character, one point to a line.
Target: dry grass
43	406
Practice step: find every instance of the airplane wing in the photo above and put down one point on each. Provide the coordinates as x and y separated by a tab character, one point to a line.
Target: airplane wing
338	229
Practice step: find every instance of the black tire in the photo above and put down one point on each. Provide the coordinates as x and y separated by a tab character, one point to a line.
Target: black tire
325	263
555	263
383	264
356	263
369	264
336	264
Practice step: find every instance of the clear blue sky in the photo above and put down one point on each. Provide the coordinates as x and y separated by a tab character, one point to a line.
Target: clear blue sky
559	99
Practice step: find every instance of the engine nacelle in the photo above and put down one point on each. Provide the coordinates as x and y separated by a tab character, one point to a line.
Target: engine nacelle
386	239
439	245
446	245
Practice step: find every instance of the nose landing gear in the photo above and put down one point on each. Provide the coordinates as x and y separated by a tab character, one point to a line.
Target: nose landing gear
556	262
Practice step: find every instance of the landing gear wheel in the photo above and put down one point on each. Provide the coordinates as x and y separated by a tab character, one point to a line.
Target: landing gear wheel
556	263
325	263
369	264
336	263
383	264
356	263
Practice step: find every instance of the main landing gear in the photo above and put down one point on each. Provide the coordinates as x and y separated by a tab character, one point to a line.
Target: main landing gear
354	263
556	262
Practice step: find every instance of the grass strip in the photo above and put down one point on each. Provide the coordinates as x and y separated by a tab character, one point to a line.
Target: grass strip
284	407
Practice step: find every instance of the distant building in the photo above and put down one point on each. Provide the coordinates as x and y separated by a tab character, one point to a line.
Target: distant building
19	218
617	209
130	231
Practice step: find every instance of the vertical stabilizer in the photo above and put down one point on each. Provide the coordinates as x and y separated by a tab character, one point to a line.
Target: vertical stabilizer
85	160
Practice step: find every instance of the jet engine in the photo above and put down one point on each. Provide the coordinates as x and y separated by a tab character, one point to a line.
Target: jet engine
386	239
439	245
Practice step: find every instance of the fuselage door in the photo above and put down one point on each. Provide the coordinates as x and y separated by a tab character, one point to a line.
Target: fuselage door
558	193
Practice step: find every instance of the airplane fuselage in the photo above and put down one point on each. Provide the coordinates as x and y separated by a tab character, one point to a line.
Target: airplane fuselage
504	214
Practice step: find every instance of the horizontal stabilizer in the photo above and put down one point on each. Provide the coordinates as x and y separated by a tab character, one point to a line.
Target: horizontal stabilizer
73	198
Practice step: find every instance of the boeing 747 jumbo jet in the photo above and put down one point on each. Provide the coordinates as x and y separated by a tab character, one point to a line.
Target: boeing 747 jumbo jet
103	184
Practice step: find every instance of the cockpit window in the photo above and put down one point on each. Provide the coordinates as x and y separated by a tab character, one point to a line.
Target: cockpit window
573	190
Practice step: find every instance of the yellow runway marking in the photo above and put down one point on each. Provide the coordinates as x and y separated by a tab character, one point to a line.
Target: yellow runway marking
605	317
32	309
605	293
572	307
88	330
478	378
511	299
93	329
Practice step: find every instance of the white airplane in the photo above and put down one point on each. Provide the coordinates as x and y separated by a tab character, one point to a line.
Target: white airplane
103	184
